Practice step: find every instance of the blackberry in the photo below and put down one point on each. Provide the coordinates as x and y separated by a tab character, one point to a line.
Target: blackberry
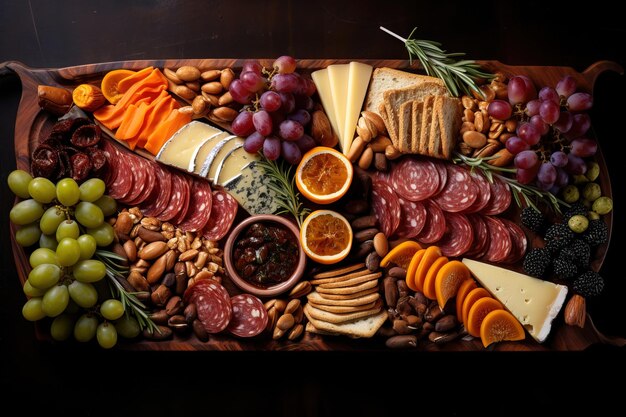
558	236
597	233
589	284
573	210
564	268
533	219
578	252
537	261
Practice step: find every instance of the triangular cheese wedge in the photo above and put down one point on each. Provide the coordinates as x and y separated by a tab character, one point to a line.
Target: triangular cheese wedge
358	81
322	84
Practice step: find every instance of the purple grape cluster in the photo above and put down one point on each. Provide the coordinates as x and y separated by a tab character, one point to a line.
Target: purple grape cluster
550	143
277	109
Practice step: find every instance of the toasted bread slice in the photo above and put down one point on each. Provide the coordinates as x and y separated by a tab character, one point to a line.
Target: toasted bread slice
427	113
416	125
434	139
404	131
449	123
383	115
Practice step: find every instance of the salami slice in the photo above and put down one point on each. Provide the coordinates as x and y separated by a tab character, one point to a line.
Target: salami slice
460	191
109	171
415	179
484	192
200	204
435	225
386	206
184	208
500	198
499	240
481	236
443	175
122	184
176	201
412	220
249	316
519	242
458	237
158	200
148	168
223	214
213	304
139	173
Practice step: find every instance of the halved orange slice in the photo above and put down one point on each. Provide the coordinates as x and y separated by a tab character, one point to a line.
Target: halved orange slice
324	175
326	236
109	84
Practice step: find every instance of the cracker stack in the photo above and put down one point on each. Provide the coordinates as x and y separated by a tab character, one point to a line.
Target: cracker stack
345	301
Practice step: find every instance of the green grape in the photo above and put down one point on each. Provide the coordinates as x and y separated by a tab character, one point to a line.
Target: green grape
104	234
42	256
85	327
26	212
88	214
44	276
32	310
91	190
72	307
55	300
28	235
87	244
83	293
89	270
68	252
18	183
127	327
67	228
61	327
107	204
112	309
68	192
31	291
106	335
42	190
51	220
48	242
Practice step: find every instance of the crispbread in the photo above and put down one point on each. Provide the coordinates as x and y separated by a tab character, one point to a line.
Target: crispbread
337	271
404	127
318	299
343	309
312	329
349	296
364	327
383	115
416	125
449	123
345	277
427	113
434	138
349	290
337	318
352	281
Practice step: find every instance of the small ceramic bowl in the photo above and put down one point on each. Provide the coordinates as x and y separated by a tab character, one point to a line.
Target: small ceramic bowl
246	286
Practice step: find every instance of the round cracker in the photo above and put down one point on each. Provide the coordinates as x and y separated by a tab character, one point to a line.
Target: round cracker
339	271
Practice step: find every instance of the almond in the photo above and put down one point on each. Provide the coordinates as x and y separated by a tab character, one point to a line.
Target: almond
225	113
226	77
188	73
321	130
375	120
576	311
503	158
153	250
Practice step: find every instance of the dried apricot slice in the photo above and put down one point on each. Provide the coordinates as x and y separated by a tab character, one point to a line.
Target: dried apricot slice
428	287
401	255
449	279
412	268
478	312
430	256
500	325
109	84
464	289
473	296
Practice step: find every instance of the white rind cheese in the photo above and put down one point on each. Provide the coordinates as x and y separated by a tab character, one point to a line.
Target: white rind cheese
204	151
211	157
534	302
222	153
182	148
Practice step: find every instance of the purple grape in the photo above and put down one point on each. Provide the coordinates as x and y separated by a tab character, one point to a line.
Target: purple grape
547	174
526	159
310	88
549	94
525	176
285	64
562	177
538	122
270	101
242	125
290	130
579	102
516	90
516	145
254	142
528	133
306	143
532	107
239	92
289	102
564	124
262	122
285	83
271	148
575	165
584	147
291	152
580	126
304	102
566	86
301	116
252	65
500	109
558	159
252	81
549	111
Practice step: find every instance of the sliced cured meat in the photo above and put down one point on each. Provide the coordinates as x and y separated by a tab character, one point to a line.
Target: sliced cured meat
122	184
386	207
519	242
138	171
460	191
213	304
484	192
500	197
415	179
435	225
187	184
158	200
481	236
149	182
223	213
109	171
458	237
249	317
180	191
413	218
200	205
443	175
499	240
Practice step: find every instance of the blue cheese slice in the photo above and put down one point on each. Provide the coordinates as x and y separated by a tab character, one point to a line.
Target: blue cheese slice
182	148
248	184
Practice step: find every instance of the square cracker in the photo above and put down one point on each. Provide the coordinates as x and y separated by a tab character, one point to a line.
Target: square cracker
337	318
364	327
319	299
349	290
352	281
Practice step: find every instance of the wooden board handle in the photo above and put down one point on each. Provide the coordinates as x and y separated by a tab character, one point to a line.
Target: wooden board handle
594	70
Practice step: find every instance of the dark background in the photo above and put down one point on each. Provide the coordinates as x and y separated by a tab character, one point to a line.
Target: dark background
88	381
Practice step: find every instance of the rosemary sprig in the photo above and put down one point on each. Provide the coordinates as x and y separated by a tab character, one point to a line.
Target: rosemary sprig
459	75
284	185
120	288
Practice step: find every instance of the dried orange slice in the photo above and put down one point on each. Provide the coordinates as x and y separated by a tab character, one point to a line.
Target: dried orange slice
109	84
401	255
500	325
324	175
326	236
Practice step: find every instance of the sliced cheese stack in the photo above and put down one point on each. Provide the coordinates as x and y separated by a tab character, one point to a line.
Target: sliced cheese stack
534	302
342	89
217	155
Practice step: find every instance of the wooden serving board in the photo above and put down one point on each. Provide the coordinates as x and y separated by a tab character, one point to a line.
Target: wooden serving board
31	124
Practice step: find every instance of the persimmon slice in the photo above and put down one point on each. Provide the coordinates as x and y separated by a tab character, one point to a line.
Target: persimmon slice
500	325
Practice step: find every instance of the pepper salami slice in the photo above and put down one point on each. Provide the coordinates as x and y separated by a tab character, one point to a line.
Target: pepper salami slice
499	240
386	206
158	200
123	182
213	304
484	193
184	209
460	191
139	178
443	175
249	317
435	225
519	242
177	197
200	205
458	237
413	218
481	236
500	198
109	172
223	214
148	168
415	179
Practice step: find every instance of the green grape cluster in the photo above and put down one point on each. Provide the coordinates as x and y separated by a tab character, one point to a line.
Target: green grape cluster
67	221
